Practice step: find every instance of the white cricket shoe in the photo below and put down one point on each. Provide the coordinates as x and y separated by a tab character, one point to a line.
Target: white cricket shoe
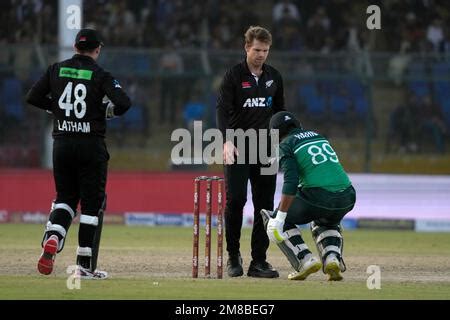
332	268
310	265
87	274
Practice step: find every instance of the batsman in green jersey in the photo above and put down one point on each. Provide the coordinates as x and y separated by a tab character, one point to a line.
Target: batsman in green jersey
316	190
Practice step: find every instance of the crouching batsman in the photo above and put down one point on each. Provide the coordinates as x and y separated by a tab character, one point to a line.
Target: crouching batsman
73	91
316	190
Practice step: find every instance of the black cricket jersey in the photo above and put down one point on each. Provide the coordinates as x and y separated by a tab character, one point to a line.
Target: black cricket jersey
73	91
245	103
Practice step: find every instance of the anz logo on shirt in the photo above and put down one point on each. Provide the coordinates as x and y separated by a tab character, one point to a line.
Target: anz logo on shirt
258	102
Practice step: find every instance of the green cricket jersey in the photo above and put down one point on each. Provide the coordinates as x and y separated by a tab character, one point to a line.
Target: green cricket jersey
308	160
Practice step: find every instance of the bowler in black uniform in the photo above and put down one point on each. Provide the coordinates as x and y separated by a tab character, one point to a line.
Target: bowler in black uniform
250	93
73	91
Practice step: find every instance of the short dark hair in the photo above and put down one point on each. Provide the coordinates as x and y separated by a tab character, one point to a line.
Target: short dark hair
258	33
84	51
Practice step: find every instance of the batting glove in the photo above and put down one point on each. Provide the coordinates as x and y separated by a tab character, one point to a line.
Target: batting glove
109	111
275	228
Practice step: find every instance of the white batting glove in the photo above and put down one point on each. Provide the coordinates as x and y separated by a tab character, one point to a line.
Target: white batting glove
275	228
229	151
109	111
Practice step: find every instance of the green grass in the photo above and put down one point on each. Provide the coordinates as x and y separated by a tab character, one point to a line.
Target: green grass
154	263
35	287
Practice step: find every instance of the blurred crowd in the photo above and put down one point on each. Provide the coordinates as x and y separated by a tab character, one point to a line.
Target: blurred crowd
173	86
297	25
417	125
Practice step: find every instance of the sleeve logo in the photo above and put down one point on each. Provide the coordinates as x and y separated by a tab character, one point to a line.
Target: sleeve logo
116	84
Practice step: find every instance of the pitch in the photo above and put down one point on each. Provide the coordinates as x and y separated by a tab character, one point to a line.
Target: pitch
155	263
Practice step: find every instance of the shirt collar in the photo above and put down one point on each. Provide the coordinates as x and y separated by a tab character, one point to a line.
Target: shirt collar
83	57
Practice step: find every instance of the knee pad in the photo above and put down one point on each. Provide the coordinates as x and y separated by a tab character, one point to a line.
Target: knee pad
328	240
294	248
59	221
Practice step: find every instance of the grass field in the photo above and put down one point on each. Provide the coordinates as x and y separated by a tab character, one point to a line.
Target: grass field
155	263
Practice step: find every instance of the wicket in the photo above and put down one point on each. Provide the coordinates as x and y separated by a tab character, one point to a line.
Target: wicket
209	185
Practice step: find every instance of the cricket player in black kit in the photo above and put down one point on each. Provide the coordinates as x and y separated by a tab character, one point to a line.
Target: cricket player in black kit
250	93
73	91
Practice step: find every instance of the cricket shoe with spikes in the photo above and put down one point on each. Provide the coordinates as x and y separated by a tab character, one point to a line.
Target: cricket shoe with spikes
47	258
332	268
310	265
86	274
